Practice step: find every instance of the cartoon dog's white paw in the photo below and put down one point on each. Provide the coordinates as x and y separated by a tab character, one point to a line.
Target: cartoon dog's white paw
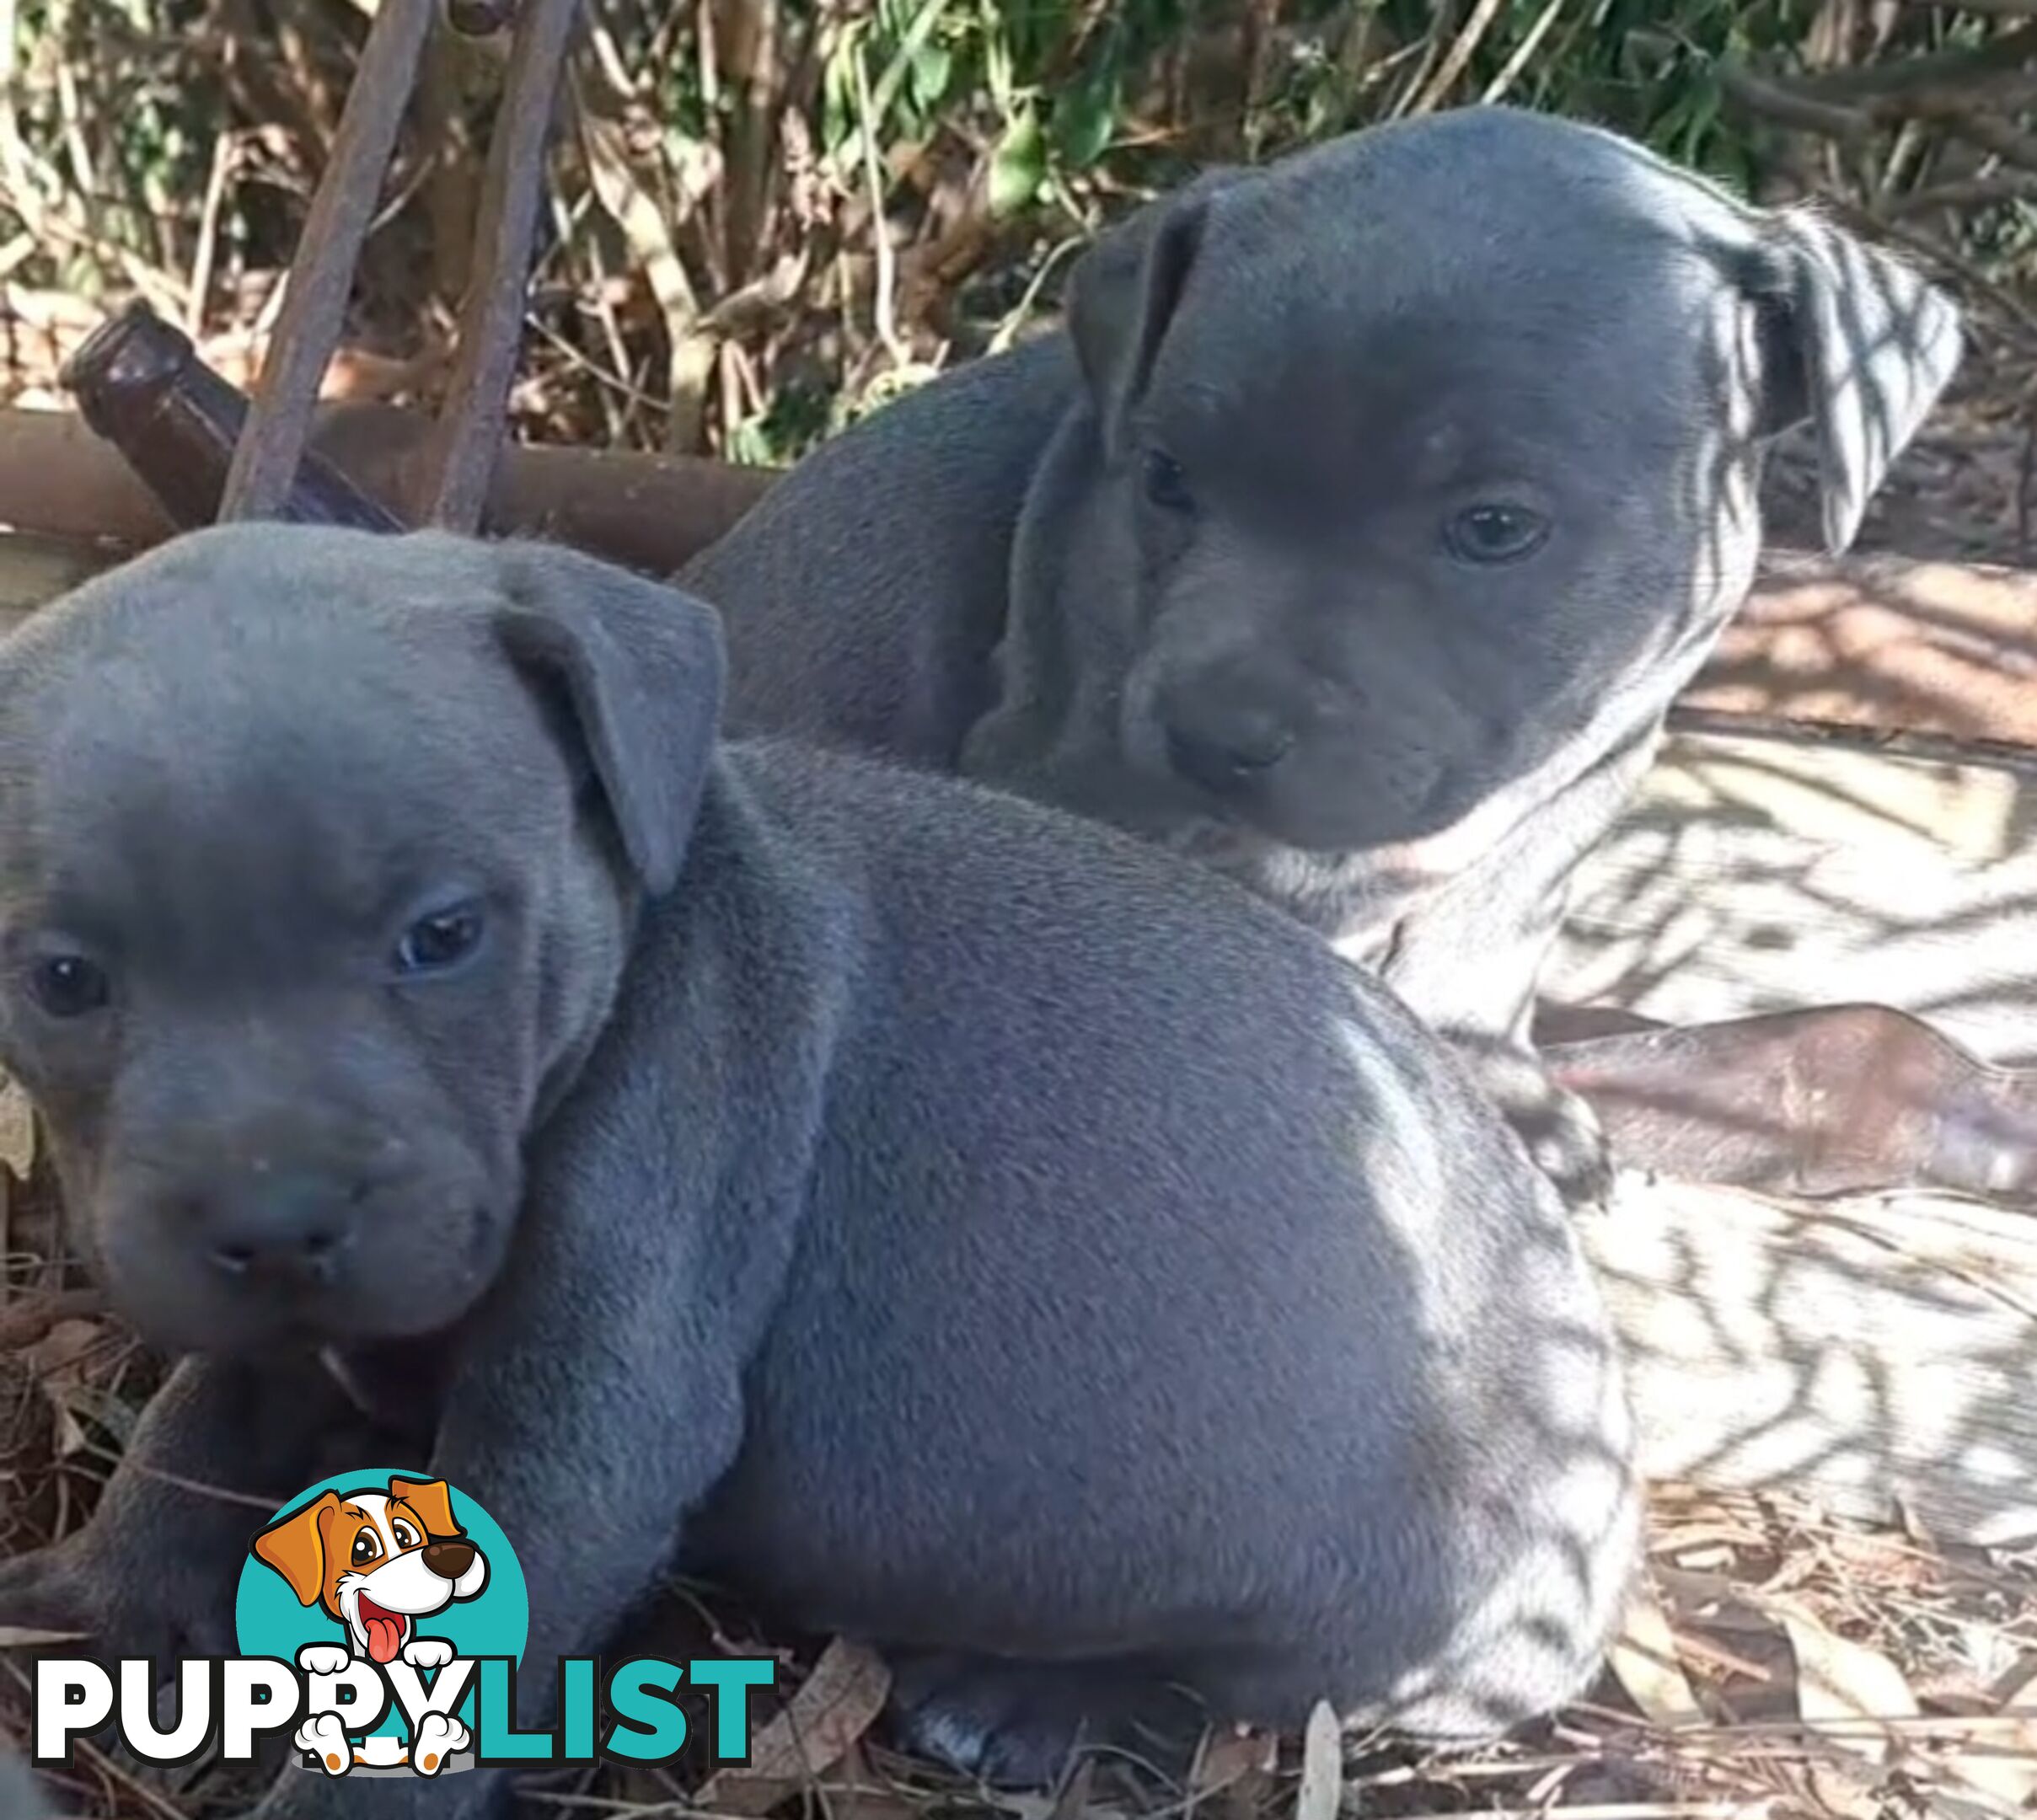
428	1652
322	1659
325	1738
437	1738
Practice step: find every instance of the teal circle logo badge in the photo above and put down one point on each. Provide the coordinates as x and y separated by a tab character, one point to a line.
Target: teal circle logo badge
385	1589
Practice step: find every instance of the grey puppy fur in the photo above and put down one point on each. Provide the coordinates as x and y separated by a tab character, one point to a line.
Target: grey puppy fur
993	1237
1356	533
19	1800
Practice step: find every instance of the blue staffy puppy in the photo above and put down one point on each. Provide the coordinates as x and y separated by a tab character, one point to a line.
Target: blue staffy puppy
967	1228
1355	533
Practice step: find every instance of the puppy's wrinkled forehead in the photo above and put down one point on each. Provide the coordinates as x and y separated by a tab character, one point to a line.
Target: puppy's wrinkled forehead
254	724
1543	278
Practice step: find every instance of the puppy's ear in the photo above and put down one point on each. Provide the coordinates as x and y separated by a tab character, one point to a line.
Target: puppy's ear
432	1501
1123	293
1857	341
640	667
295	1548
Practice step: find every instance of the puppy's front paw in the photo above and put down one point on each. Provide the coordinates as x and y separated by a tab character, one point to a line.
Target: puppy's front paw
1016	1725
110	1602
428	1652
322	1659
324	1738
40	1592
438	1738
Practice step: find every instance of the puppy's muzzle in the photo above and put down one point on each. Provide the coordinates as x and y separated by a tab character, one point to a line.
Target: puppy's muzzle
281	1227
1226	746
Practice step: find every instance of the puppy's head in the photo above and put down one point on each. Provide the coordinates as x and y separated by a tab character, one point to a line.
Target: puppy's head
318	855
1433	453
376	1560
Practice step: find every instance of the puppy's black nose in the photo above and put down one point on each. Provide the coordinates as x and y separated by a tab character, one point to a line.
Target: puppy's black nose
448	1560
282	1226
1225	749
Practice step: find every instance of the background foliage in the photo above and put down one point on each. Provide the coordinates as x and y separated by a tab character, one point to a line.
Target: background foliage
766	214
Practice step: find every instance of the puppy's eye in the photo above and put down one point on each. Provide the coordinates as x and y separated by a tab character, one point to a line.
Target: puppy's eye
367	1546
440	940
1496	534
1166	486
406	1537
69	986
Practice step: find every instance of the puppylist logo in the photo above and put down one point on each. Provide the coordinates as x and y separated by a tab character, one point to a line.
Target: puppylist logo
382	1619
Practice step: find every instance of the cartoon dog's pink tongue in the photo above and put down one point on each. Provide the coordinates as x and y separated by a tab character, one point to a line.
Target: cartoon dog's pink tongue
384	1629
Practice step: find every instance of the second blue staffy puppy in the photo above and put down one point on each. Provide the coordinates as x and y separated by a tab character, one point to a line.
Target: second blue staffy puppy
1357	532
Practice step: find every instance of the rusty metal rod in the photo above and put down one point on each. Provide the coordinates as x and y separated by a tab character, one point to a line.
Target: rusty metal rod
469	439
322	275
648	512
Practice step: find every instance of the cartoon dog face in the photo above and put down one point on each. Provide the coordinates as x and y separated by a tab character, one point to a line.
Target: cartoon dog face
377	1560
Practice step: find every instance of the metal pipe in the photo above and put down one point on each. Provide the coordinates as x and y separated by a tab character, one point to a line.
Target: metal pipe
322	275
648	512
469	437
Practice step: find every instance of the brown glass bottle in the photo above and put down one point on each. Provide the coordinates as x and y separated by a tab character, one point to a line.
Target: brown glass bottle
140	383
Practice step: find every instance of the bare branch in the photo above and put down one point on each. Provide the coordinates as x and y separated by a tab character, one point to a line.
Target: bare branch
2010	146
1788	106
1966	193
2006	56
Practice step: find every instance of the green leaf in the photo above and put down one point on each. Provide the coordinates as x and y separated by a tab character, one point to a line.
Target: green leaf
932	65
1085	122
1017	165
837	101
